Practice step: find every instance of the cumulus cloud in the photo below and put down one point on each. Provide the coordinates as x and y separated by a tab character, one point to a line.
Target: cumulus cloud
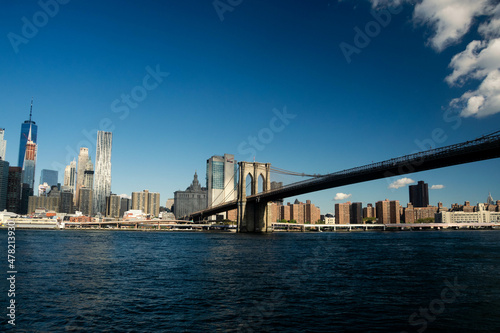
342	196
450	20
401	183
437	187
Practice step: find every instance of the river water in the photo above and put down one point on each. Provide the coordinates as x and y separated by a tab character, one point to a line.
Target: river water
136	281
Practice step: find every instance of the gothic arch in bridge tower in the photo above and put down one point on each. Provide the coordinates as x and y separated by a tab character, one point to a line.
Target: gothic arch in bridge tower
253	216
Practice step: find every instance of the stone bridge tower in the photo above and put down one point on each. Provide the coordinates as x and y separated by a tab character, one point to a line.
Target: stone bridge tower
253	216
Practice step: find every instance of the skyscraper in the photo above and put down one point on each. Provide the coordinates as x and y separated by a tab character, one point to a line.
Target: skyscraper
419	194
222	179
83	157
27	127
14	190
88	175
49	176
70	176
85	201
4	181
3	144
102	175
29	163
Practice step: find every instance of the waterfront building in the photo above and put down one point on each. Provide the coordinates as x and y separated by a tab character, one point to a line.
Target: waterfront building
102	175
45	202
369	211
26	192
83	157
70	176
419	194
134	214
14	189
125	204
395	211
481	215
356	213
343	213
85	201
113	205
412	214
66	202
3	144
284	212
28	129
49	176
193	199
4	182
388	211
466	207
147	202
222	179
29	162
329	219
298	211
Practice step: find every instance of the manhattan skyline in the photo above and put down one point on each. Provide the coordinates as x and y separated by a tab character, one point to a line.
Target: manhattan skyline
176	85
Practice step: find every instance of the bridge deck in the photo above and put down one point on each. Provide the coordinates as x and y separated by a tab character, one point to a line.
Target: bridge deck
486	147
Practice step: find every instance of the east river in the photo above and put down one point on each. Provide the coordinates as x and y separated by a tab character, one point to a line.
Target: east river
136	281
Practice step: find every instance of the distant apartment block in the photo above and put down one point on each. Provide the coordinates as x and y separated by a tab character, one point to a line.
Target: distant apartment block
147	202
43	202
343	213
113	205
369	211
298	211
481	215
388	211
413	214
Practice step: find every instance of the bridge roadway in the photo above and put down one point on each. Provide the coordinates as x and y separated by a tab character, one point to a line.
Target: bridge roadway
483	148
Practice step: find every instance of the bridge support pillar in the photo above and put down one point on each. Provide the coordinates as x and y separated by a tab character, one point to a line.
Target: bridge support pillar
253	216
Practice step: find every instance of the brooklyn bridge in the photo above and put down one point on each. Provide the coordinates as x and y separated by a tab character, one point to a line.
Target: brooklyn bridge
253	213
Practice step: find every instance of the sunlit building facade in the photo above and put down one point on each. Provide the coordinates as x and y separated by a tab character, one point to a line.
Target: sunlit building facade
83	158
102	174
70	176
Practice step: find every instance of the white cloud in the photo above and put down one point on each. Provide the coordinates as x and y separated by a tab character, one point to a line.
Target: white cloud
483	101
437	187
401	183
342	196
450	19
479	59
491	28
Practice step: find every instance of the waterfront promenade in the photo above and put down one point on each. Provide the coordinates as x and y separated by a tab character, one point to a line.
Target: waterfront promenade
211	226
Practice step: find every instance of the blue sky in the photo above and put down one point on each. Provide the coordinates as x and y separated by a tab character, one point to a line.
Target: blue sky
420	71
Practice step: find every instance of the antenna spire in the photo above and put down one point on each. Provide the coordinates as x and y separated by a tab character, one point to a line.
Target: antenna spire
31	108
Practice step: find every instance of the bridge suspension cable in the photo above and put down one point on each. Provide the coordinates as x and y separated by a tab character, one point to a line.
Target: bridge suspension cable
293	173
